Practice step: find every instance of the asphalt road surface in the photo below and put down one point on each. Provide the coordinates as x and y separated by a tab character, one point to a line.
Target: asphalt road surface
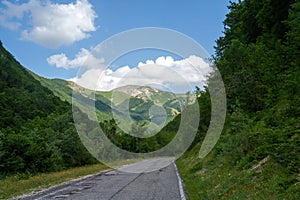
120	184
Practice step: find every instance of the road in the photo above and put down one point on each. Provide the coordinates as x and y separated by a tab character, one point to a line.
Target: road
121	184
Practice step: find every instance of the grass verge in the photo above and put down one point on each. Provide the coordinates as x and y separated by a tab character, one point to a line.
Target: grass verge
14	185
212	178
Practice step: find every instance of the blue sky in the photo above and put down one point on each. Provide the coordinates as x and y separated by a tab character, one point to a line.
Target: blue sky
27	28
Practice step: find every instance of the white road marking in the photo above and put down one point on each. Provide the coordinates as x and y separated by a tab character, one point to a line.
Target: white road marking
182	195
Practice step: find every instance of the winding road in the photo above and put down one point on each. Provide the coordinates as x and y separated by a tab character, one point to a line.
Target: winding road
164	183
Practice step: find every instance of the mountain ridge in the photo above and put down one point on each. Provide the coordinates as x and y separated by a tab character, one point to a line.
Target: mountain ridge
116	100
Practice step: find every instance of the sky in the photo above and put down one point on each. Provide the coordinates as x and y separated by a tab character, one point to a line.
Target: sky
57	39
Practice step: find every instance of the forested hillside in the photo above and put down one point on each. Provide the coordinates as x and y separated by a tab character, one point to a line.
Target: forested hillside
257	156
37	132
138	98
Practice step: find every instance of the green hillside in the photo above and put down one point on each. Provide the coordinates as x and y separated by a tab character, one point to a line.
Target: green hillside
64	90
59	87
37	133
138	100
133	100
258	154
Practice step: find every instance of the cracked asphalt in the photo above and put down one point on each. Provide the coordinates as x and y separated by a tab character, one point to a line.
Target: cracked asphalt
122	184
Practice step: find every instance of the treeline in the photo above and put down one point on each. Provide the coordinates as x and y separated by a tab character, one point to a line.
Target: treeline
37	132
138	144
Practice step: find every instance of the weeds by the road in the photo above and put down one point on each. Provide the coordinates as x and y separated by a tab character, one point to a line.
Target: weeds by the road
211	178
20	184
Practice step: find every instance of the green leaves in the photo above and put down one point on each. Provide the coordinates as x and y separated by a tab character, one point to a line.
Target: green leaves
258	58
37	129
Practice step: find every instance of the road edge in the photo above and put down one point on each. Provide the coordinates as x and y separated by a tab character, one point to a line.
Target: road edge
60	186
180	183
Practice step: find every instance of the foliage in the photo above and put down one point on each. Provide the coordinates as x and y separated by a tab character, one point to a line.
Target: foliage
37	132
257	155
18	185
134	143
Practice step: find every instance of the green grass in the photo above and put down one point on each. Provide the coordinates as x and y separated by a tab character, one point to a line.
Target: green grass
212	178
18	185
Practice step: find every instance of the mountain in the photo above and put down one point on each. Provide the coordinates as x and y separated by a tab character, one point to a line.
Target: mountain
140	99
37	133
64	90
145	92
137	100
37	130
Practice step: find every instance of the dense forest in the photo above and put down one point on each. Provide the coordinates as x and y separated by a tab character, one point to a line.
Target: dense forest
257	155
37	132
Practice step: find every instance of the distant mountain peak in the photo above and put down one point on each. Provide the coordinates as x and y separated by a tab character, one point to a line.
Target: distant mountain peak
138	91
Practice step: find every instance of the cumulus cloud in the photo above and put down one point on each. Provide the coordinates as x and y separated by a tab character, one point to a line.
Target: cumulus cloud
50	24
164	72
88	79
180	76
83	59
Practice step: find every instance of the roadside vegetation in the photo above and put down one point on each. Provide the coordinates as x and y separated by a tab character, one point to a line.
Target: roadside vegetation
257	156
19	184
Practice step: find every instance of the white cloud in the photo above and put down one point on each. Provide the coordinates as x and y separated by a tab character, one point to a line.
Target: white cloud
88	79
83	59
52	24
178	76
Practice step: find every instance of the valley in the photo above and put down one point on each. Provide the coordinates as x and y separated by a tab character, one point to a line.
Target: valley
131	100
